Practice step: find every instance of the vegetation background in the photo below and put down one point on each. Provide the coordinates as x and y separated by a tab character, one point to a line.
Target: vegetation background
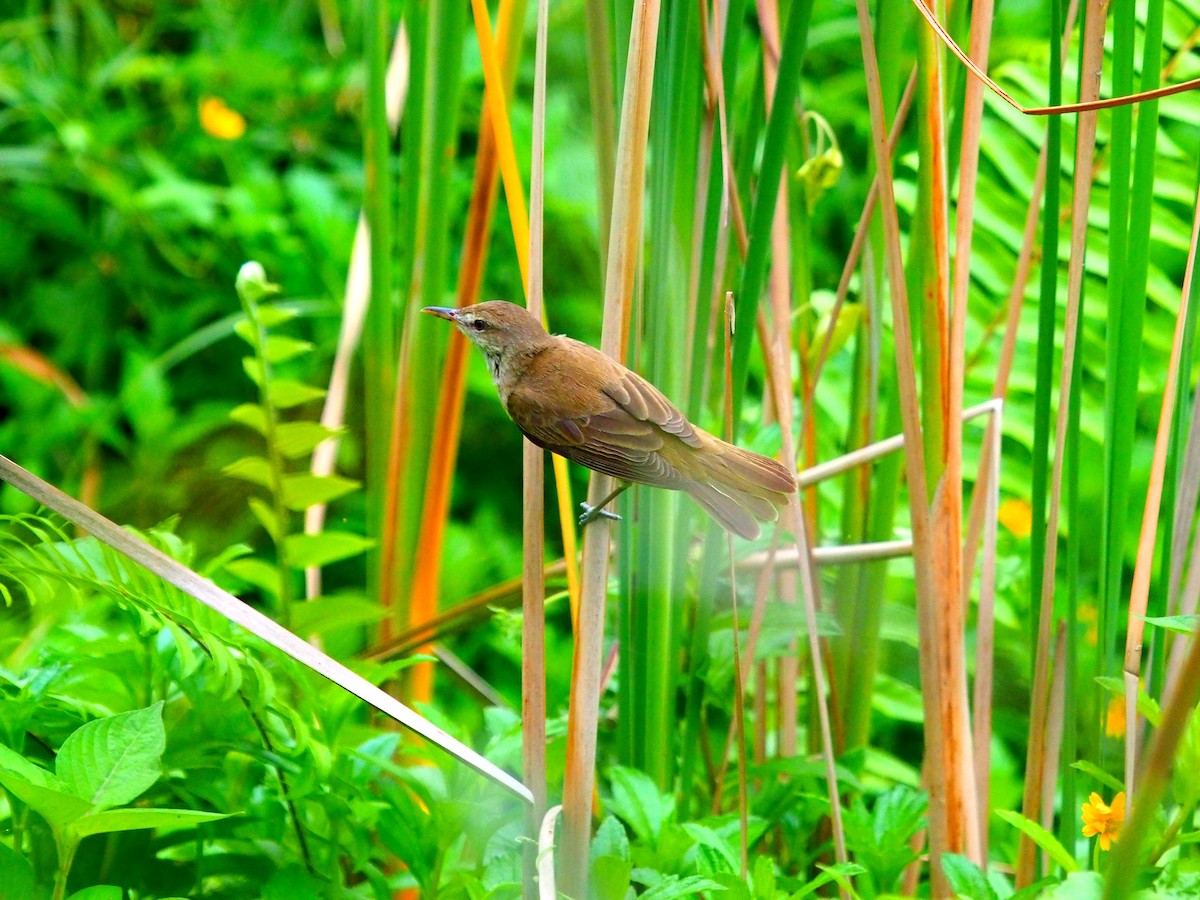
148	748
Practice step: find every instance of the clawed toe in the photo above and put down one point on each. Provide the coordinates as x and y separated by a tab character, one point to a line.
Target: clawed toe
591	513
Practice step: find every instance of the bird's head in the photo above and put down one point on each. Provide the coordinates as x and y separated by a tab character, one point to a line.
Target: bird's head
495	327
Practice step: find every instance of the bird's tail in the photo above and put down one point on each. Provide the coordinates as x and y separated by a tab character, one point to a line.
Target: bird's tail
740	488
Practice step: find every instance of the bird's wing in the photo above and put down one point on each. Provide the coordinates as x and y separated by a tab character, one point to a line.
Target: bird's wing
617	427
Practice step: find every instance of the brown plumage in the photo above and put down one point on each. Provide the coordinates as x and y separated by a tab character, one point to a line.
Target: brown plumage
573	400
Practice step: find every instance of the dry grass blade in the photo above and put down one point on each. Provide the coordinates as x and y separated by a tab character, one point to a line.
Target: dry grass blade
1085	145
1140	592
247	617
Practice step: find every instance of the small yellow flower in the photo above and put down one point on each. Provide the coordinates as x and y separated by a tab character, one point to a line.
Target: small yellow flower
1114	720
220	121
1017	517
1104	820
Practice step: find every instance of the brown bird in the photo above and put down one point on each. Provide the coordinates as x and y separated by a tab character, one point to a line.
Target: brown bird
573	400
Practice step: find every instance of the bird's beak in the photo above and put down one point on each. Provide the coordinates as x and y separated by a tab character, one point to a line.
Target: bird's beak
442	312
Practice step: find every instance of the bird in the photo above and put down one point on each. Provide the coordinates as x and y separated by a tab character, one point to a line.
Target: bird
569	398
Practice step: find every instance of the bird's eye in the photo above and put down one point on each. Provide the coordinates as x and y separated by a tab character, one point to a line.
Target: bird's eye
479	325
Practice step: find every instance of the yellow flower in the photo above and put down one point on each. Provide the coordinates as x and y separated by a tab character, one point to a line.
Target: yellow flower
220	121
1114	720
1017	517
1090	616
1103	820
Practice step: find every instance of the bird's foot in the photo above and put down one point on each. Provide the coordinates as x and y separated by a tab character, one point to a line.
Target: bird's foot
591	513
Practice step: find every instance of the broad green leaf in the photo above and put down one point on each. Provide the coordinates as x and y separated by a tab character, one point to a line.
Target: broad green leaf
763	875
279	349
284	393
251	415
31	772
1040	836
609	878
295	439
16	875
137	818
966	879
304	550
636	799
110	761
58	807
254	469
610	839
305	490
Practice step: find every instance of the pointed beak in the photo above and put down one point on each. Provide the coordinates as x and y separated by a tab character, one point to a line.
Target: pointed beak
442	312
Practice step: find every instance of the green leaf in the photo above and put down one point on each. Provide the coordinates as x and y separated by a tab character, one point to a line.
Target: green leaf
636	799
254	469
327	614
266	517
258	572
1099	774
251	415
305	490
110	761
294	439
137	818
966	879
609	878
99	892
673	886
284	393
279	348
16	874
269	315
1177	624
1040	836
58	807
304	550
27	771
840	873
253	369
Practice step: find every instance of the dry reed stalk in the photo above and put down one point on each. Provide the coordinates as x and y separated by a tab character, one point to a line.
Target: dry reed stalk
533	622
624	242
1140	591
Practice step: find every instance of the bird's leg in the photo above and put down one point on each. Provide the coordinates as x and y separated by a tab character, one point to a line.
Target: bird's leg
591	513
